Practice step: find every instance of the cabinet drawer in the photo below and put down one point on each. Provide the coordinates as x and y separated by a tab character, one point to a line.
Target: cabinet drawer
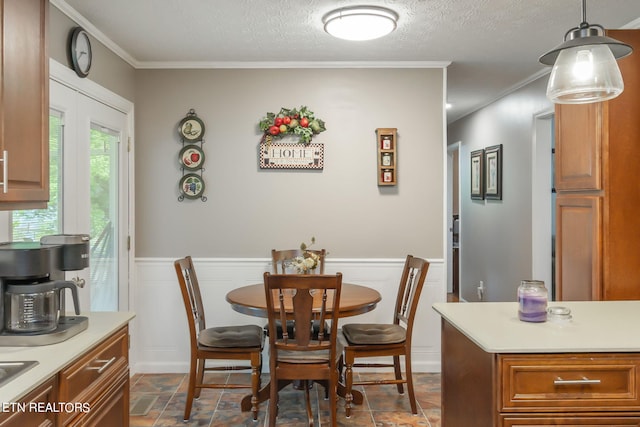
83	380
564	383
569	420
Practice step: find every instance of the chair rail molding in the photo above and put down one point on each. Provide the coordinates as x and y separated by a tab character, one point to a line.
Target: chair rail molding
159	332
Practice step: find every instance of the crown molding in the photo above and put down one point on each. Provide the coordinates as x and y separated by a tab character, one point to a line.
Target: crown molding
74	15
287	64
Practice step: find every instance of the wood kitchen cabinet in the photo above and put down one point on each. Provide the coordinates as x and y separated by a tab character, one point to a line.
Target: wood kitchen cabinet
480	388
24	104
99	378
44	394
597	179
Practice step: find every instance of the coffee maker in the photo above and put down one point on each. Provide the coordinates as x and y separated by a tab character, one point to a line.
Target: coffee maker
32	289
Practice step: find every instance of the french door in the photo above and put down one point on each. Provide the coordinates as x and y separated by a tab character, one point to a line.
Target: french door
89	193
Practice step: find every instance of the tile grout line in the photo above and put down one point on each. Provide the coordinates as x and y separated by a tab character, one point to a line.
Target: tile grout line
155	423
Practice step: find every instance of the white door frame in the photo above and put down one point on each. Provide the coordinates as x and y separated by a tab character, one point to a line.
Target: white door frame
67	77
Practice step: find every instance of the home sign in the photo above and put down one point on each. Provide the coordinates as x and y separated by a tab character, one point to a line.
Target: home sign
291	156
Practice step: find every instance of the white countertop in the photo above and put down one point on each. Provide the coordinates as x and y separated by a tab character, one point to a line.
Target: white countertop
596	326
52	358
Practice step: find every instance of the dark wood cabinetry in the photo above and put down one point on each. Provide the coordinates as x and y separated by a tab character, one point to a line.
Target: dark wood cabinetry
24	104
598	191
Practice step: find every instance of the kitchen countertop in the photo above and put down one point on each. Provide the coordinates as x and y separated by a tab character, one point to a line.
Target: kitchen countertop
52	358
596	326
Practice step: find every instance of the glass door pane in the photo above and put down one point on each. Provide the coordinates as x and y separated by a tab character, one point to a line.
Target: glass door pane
104	218
30	225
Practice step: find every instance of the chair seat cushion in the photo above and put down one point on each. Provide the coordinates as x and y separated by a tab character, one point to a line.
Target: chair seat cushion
317	356
232	336
374	333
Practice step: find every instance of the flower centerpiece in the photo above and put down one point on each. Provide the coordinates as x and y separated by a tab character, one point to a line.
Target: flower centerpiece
299	122
307	262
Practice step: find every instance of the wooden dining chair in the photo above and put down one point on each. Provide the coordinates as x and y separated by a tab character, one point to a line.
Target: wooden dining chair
220	343
303	297
279	261
364	340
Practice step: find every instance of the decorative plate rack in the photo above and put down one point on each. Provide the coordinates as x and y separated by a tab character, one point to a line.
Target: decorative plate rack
191	157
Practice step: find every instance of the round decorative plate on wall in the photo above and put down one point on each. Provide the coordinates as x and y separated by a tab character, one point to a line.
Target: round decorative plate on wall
191	157
191	128
192	186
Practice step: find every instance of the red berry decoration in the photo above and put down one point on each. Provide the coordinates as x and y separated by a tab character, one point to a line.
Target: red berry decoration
299	122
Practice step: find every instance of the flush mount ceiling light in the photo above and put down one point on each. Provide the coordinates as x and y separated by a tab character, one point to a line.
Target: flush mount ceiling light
360	22
584	66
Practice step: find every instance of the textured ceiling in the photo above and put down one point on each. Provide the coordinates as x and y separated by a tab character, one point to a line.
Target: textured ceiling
492	45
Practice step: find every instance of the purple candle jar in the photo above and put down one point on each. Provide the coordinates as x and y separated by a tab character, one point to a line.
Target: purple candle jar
532	300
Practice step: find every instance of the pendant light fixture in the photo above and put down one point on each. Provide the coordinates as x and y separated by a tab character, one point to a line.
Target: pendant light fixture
360	22
585	67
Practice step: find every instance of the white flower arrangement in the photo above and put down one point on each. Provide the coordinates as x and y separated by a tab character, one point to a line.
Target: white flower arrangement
307	262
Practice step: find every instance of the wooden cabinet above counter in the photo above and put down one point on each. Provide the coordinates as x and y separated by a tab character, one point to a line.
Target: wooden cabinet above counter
24	105
598	196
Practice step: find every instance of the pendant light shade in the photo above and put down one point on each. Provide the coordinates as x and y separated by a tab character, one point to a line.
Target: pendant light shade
585	67
360	22
585	74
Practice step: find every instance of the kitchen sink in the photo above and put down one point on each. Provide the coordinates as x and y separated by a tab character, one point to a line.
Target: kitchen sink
10	370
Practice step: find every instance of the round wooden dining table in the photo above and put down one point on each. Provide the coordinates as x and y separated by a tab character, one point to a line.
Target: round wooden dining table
354	300
251	300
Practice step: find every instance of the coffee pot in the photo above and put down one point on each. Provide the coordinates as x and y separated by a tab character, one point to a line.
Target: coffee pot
32	289
35	307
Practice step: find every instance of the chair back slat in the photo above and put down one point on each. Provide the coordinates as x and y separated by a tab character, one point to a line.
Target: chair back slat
190	290
411	284
303	298
323	313
281	258
283	315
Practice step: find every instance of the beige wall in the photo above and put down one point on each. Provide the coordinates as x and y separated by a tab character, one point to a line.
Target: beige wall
107	69
250	211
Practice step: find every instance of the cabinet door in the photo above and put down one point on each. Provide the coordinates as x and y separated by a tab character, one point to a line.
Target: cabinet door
578	247
46	393
579	133
24	103
112	410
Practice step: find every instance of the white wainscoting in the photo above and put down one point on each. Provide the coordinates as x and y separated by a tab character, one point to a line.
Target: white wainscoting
159	332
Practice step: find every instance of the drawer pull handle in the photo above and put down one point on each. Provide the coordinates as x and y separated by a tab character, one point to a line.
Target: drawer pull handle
582	381
105	365
5	171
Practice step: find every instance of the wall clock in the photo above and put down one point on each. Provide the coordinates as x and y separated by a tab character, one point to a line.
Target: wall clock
80	51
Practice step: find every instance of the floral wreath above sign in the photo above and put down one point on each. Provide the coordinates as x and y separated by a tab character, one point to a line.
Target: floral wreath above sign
300	123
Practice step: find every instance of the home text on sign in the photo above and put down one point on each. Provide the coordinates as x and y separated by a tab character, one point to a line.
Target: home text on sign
291	156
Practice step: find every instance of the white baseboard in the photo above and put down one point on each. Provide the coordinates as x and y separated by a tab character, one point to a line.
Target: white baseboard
159	332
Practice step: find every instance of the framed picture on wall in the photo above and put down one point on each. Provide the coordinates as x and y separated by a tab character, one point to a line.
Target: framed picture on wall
477	174
493	177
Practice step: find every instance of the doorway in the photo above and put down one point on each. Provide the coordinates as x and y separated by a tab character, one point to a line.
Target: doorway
543	200
89	181
453	222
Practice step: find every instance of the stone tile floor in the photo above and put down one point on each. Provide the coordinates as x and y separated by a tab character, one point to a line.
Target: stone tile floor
383	406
